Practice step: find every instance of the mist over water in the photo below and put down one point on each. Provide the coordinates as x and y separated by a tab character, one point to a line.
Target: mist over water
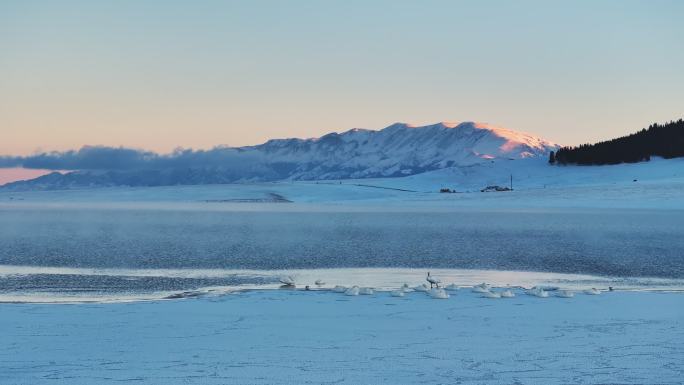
605	242
615	243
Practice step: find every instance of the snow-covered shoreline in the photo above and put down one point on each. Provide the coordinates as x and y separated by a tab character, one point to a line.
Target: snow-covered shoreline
79	285
286	336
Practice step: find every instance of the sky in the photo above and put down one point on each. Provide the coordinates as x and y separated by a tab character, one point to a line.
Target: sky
159	75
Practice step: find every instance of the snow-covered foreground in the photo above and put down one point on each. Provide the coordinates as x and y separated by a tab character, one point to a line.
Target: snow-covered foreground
286	336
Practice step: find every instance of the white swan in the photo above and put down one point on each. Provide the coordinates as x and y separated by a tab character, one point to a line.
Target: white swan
319	282
508	293
491	294
592	291
366	291
438	293
532	290
423	288
397	293
433	280
287	280
339	289
452	287
481	288
565	294
354	290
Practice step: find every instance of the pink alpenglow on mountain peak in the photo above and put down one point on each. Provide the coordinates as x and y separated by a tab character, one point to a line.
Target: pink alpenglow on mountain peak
517	138
483	140
403	149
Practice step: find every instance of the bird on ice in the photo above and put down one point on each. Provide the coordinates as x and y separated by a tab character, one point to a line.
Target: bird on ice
452	287
481	288
538	292
491	294
287	280
433	280
422	288
592	291
366	291
352	291
438	293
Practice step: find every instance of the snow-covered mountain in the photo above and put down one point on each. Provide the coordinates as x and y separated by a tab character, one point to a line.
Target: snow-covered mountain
397	150
400	149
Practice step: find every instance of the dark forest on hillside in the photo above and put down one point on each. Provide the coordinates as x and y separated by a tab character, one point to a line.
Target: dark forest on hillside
664	140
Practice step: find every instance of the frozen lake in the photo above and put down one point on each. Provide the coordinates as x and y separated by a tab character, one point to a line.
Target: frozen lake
617	243
605	242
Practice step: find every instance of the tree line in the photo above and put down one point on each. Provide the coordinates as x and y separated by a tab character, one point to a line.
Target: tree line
664	140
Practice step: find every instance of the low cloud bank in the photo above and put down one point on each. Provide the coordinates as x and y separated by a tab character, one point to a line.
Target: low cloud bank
125	159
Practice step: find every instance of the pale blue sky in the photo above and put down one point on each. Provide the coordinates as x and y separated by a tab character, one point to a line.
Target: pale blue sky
161	74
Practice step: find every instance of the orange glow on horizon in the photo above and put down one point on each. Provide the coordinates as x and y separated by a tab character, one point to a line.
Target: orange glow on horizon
8	175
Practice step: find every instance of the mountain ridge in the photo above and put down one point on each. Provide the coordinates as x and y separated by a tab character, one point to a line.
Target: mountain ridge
399	149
